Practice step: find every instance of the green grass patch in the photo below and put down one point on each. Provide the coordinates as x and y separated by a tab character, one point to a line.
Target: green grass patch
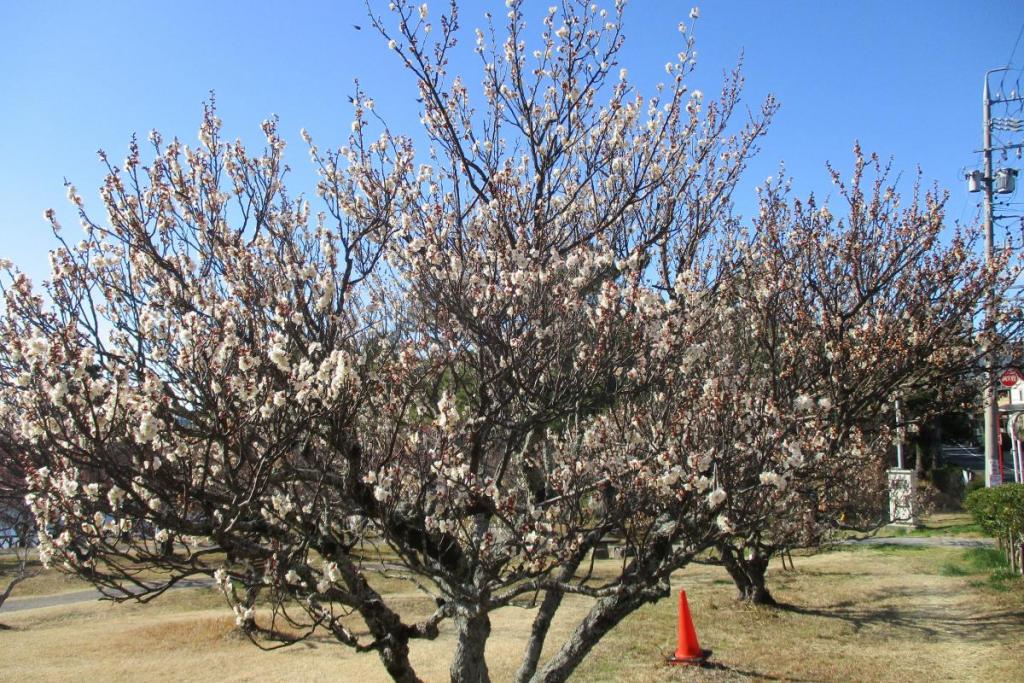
895	548
965	529
1003	580
989	565
953	569
984	559
943	524
878	548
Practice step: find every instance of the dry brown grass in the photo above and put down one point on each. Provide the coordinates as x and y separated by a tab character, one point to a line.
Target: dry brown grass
868	614
51	582
861	615
41	583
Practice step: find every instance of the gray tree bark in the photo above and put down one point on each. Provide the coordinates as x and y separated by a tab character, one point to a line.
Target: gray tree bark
538	634
394	654
601	619
748	574
391	636
469	665
542	623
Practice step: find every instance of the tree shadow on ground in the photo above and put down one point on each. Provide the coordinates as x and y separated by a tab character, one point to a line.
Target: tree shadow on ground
803	572
918	617
756	675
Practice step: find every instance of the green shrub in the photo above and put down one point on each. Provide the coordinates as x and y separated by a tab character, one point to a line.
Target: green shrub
999	512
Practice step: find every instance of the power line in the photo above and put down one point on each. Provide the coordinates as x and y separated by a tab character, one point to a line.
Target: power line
1015	44
1009	63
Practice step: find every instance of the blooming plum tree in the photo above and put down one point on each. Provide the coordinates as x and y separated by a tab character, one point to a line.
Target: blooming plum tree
469	356
482	357
838	316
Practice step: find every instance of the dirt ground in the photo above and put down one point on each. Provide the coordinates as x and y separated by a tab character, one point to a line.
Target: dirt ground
880	613
871	614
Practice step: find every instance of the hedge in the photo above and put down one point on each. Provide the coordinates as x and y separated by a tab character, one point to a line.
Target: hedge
999	512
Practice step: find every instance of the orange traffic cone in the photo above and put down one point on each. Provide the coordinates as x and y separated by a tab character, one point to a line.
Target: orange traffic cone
689	651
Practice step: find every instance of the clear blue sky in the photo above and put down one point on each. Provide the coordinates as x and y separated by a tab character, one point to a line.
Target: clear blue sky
902	77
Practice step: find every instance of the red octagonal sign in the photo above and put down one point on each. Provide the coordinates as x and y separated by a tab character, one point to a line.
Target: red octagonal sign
1010	378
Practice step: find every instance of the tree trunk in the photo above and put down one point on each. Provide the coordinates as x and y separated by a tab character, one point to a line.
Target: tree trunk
542	622
389	633
538	633
394	654
469	664
21	573
10	587
748	574
252	593
601	619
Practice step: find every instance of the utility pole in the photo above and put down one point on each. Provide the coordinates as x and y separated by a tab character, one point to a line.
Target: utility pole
991	181
991	408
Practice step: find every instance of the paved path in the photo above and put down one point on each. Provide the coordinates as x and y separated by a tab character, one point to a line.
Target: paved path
73	597
14	604
942	541
90	594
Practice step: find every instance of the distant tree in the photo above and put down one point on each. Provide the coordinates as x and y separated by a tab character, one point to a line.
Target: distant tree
930	409
17	525
841	315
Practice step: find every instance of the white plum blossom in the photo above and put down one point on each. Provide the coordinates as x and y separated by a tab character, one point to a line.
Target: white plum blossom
804	403
773	479
716	498
115	495
244	615
278	355
146	430
38	348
